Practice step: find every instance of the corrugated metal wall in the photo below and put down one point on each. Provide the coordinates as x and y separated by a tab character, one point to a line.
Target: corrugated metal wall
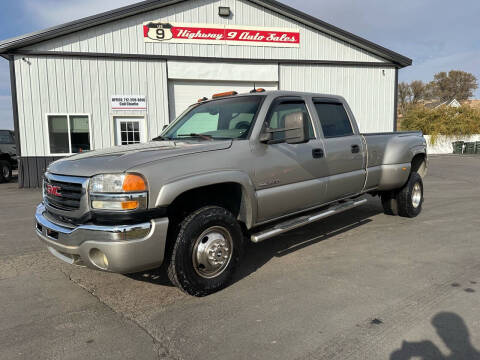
85	86
370	91
126	36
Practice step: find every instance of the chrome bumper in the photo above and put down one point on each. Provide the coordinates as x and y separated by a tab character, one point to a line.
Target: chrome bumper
121	249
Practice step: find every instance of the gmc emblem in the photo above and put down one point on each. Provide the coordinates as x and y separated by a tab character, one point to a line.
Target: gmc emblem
53	190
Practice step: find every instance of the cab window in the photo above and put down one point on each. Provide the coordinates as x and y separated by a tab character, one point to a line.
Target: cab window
334	119
280	110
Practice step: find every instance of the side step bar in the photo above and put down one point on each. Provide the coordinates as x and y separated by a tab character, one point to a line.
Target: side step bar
305	220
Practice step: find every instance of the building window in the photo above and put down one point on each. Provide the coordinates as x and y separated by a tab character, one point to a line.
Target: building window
68	134
129	130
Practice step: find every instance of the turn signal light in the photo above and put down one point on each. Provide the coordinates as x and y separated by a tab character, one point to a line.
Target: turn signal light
257	91
228	93
129	205
134	183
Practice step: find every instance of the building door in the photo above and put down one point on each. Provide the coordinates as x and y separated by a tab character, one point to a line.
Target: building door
183	93
130	130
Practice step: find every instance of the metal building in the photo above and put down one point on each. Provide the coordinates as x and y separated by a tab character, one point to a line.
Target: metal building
118	77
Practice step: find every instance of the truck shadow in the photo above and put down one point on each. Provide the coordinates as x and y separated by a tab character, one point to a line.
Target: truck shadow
453	331
257	255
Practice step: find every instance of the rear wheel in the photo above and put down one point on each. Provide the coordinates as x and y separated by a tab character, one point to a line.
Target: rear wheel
5	171
410	197
206	251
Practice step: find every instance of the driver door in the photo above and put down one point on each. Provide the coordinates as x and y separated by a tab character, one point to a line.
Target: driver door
289	177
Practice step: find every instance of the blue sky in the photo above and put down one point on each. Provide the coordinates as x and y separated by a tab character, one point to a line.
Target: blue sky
438	35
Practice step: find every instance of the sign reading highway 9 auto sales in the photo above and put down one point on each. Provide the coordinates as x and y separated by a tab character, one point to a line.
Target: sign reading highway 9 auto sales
220	34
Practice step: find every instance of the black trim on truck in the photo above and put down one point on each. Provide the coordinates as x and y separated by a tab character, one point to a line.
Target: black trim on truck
133	217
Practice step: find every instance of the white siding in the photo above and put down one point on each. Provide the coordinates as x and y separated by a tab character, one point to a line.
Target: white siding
71	85
370	91
126	36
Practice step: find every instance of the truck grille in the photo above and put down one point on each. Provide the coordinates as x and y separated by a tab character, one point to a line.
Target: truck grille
63	195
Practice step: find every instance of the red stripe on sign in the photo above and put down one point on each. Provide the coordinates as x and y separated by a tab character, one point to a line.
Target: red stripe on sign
145	31
262	36
197	33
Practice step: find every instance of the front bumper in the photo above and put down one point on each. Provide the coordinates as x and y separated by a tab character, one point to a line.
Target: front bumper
121	249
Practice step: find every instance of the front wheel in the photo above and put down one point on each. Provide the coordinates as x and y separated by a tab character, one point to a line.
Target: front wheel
207	249
410	197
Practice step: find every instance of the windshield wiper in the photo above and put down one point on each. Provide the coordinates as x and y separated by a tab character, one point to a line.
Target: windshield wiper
161	138
194	135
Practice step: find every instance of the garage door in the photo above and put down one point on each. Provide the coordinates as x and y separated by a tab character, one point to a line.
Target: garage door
183	93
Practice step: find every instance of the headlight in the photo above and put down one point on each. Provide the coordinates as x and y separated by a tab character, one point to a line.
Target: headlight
118	192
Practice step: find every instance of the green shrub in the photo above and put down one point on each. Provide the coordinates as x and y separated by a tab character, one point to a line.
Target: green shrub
448	121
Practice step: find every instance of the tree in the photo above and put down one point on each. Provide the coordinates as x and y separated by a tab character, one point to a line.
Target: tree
404	96
418	91
454	85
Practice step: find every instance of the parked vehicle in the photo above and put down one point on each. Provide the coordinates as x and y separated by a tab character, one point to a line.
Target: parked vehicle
230	169
8	156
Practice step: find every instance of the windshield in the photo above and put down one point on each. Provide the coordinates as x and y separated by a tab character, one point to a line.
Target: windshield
6	137
220	119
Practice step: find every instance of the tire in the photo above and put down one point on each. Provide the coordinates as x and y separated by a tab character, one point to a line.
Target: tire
389	203
410	197
206	252
5	171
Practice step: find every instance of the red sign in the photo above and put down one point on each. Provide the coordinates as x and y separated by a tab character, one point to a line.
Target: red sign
220	34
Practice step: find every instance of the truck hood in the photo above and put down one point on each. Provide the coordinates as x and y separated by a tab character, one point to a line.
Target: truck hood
122	158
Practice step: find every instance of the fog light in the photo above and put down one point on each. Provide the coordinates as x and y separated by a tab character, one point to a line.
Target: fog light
99	259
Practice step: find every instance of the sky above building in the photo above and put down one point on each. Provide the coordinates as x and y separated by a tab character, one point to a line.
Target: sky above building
435	34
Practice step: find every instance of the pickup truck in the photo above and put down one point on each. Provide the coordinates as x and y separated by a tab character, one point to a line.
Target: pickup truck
8	156
230	169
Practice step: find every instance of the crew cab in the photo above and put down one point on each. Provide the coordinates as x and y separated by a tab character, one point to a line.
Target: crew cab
230	169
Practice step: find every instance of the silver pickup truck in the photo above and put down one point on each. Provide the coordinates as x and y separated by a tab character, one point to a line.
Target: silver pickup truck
230	169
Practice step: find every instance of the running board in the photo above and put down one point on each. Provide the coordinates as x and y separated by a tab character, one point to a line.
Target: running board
305	220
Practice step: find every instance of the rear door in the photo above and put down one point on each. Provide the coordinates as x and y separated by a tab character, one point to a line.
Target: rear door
344	149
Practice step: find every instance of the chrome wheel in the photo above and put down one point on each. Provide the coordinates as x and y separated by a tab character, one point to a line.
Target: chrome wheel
5	172
212	252
416	195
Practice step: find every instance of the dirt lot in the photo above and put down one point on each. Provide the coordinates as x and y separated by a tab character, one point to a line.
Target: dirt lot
360	285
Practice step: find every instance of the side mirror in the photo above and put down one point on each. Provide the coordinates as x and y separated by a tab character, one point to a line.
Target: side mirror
296	130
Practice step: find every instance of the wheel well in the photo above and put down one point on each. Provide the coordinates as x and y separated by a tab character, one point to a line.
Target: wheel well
226	195
419	165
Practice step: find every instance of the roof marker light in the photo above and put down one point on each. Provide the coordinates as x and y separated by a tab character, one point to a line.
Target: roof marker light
257	91
228	93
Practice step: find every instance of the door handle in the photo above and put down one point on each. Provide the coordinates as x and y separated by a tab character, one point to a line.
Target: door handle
318	153
355	149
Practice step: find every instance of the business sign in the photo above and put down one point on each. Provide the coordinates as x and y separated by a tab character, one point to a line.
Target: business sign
129	102
164	32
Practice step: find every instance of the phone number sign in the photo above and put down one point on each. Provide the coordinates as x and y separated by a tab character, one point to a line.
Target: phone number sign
132	102
165	32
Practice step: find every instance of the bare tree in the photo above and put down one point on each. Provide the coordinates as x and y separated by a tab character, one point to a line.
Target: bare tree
404	96
418	90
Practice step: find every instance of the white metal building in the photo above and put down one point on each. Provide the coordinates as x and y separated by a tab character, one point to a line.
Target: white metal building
119	77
